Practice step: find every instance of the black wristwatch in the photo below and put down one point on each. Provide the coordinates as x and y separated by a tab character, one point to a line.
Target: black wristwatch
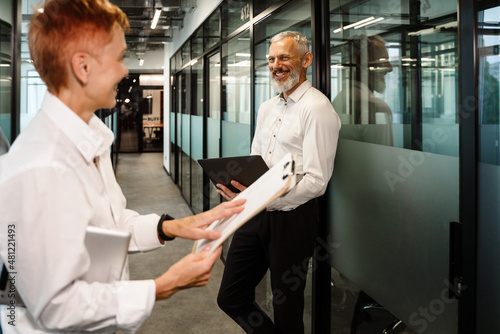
160	228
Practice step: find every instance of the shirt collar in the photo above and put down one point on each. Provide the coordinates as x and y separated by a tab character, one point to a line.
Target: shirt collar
299	91
91	139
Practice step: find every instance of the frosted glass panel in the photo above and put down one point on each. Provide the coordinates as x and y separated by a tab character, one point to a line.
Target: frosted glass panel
236	139
185	134
236	79
5	80
213	135
236	97
172	127
196	137
214	118
488	290
488	250
389	229
196	171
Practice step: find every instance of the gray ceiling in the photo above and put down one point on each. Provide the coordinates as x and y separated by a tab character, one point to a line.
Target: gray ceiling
141	37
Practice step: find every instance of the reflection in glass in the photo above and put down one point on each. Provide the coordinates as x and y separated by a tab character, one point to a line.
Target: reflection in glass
235	13
186	53
394	85
212	30
213	119
421	88
263	89
172	115
179	110
489	166
196	136
260	6
197	43
489	87
214	84
356	102
185	134
32	87
5	85
197	88
178	60
236	98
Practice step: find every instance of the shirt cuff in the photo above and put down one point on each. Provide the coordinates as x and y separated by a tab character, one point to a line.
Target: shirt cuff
145	233
135	303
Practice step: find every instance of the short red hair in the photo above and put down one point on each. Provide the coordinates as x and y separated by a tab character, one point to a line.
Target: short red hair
68	26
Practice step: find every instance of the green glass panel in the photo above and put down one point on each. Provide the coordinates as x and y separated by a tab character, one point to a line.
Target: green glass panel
488	168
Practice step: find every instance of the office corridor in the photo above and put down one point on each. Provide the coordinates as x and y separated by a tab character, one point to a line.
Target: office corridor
148	189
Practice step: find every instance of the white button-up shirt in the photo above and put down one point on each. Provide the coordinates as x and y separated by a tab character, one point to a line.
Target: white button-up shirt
56	180
307	126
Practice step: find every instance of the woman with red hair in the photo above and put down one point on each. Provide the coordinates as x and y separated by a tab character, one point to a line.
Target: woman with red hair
57	180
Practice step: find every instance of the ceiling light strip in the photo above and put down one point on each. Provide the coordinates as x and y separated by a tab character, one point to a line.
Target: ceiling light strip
355	24
369	23
155	18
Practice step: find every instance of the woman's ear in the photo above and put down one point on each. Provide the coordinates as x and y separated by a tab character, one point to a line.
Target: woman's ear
307	60
80	67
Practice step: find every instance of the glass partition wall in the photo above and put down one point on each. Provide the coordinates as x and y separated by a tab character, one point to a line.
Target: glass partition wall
236	72
5	85
394	192
488	122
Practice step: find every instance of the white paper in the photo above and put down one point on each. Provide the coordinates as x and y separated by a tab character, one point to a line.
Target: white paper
275	182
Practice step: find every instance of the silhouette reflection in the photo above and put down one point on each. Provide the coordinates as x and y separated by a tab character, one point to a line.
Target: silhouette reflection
366	117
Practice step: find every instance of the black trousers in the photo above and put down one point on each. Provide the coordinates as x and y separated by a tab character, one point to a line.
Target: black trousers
282	241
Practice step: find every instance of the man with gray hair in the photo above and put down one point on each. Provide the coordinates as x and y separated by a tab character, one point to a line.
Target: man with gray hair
299	120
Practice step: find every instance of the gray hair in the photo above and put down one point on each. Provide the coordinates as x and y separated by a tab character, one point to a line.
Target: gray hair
301	41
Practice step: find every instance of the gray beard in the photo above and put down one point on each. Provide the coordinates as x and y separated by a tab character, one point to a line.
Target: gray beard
287	85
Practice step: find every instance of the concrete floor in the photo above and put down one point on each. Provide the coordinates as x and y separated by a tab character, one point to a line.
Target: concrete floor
149	189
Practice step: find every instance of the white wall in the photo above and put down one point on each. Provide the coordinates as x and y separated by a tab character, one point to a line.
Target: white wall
191	22
153	60
166	108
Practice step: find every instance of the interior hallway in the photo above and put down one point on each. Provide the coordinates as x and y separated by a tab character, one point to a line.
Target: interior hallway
149	189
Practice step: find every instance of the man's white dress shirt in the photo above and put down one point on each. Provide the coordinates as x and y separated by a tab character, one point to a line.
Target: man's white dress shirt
307	126
56	180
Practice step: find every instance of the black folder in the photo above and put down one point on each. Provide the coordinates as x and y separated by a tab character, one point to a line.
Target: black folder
244	169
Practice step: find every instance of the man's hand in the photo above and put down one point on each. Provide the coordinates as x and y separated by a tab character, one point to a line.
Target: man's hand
191	271
193	227
228	194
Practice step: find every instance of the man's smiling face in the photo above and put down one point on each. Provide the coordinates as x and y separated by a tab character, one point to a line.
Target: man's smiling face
284	65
